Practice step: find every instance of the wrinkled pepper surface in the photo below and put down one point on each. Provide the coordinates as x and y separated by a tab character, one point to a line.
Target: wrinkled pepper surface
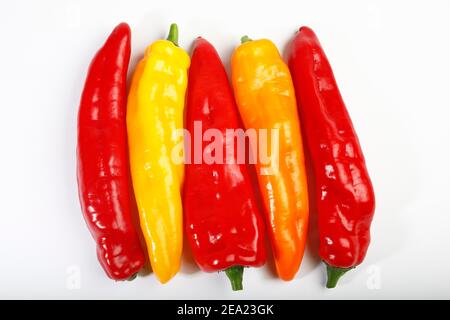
154	116
344	193
102	159
223	222
266	100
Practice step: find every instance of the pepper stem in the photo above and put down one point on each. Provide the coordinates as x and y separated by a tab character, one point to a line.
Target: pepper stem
334	274
132	277
245	39
235	274
173	34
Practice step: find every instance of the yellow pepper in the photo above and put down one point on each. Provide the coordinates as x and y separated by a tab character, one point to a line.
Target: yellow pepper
154	113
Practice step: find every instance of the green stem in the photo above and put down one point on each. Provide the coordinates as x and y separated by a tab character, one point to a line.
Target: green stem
245	39
132	277
173	34
334	274
235	274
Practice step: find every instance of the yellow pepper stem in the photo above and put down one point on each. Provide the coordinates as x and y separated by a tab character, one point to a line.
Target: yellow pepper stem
173	34
245	39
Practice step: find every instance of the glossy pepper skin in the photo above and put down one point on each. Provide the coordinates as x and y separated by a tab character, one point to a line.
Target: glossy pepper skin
102	159
155	112
266	100
223	222
345	197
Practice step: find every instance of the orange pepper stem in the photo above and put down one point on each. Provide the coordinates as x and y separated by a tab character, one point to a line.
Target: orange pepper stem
334	274
245	39
235	274
173	34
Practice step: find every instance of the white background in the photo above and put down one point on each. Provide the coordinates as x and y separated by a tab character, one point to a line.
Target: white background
391	59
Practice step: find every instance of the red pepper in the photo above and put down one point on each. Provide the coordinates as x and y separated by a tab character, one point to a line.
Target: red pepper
223	222
102	154
344	194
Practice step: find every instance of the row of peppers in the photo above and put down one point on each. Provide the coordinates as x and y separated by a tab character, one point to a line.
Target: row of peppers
216	204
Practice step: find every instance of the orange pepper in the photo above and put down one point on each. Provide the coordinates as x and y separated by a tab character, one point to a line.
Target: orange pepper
266	100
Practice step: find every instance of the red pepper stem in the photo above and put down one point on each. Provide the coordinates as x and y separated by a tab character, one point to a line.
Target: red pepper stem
235	274
245	39
173	34
334	274
132	277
